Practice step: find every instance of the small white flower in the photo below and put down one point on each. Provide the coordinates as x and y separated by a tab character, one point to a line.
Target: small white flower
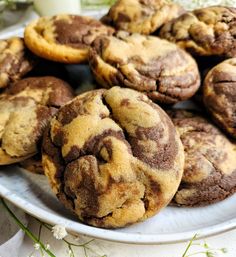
59	232
36	246
47	246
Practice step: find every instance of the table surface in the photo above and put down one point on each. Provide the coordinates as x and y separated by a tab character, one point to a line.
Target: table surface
59	248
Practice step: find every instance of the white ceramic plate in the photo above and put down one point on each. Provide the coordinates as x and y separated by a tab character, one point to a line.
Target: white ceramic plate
32	193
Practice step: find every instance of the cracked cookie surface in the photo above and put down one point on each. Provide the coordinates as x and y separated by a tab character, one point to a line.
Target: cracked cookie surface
113	157
141	16
160	69
15	60
64	38
210	163
207	31
25	109
219	95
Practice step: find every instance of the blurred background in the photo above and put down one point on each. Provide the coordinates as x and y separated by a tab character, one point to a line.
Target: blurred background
14	14
13	11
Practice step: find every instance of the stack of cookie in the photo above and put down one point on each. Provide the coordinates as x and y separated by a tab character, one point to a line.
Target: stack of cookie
119	154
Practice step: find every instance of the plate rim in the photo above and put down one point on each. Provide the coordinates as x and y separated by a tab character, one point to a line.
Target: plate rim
110	235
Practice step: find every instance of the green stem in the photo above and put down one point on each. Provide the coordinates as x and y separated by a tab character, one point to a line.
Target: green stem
85	252
209	250
192	254
25	229
47	226
78	245
40	230
188	246
97	4
71	250
69	244
39	237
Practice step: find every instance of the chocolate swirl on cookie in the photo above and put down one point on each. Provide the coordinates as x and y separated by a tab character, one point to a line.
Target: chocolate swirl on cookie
25	109
64	38
207	31
141	16
210	163
113	157
162	70
15	60
219	95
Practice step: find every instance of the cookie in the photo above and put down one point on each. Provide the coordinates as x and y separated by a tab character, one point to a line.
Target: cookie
33	164
141	16
207	31
113	157
64	38
210	163
219	95
15	60
205	64
162	70
25	109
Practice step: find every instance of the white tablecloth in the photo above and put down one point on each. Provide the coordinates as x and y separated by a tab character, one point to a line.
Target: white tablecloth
226	240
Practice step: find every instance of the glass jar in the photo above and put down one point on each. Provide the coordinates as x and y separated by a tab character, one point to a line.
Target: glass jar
52	7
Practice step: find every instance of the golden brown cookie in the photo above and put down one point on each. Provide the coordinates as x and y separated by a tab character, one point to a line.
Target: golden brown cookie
206	31
15	60
210	163
25	109
64	38
113	157
141	16
219	95
162	70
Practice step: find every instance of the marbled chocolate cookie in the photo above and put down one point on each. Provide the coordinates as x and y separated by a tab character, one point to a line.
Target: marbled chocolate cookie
206	31
162	70
141	16
64	38
25	109
219	95
210	163
15	60
113	157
